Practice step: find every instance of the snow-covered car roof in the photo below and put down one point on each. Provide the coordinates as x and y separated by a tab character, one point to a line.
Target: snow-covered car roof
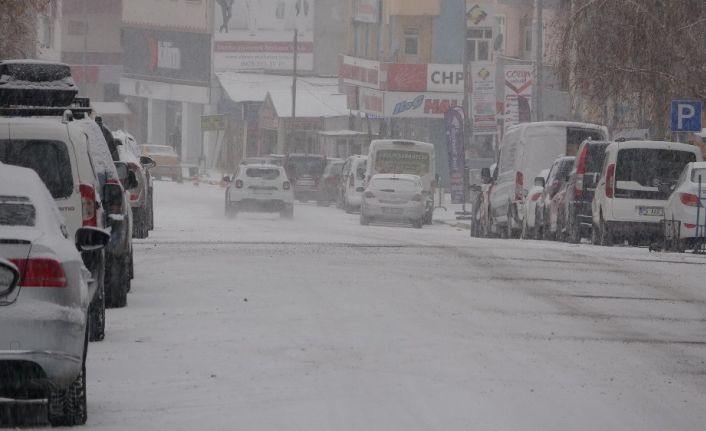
18	182
98	148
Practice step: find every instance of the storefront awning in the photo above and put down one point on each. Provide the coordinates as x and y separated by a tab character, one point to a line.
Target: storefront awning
106	109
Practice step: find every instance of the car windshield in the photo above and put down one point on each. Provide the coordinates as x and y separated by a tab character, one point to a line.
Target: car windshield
264	173
50	159
17	211
393	185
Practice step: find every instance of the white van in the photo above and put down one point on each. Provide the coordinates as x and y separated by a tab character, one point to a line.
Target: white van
636	182
527	149
400	156
352	182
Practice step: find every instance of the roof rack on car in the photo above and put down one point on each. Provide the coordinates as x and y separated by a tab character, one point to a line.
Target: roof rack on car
81	108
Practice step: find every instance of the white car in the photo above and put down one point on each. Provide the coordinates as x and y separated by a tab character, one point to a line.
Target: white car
685	212
529	227
634	187
44	315
263	188
393	197
353	183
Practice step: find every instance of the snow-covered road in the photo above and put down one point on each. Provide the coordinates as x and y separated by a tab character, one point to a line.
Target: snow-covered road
322	324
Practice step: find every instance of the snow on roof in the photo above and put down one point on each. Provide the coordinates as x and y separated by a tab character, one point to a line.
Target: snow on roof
316	97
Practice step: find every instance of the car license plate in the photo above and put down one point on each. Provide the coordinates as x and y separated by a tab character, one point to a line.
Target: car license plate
651	211
262	192
393	211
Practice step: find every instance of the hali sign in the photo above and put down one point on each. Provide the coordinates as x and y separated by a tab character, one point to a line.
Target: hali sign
420	105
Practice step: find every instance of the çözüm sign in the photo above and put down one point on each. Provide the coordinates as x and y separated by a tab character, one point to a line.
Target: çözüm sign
420	105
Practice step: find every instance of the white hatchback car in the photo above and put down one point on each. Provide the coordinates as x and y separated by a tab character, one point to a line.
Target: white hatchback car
631	196
529	228
685	212
263	188
44	314
393	197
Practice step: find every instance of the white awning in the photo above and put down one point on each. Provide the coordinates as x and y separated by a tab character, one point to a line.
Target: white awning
106	109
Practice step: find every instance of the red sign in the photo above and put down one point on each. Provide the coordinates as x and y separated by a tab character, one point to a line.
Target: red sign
406	77
361	72
91	75
439	106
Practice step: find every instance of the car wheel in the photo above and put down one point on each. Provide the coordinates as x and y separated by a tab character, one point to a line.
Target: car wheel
151	220
418	224
132	266
140	223
117	282
68	407
96	313
606	236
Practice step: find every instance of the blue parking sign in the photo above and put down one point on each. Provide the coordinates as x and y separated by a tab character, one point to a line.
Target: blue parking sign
686	115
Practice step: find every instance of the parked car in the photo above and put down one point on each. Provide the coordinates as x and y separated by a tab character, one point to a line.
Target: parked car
168	163
328	185
141	196
575	220
305	172
631	195
118	217
352	183
552	200
260	188
685	211
392	197
45	291
525	150
530	228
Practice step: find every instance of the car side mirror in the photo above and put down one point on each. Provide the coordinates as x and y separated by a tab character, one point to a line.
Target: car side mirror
9	276
91	239
485	176
540	182
113	198
148	162
226	178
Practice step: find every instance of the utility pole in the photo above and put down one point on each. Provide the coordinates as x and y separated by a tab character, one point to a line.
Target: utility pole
538	59
294	92
85	47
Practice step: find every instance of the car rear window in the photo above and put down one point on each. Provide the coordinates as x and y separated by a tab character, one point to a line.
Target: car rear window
264	173
595	158
698	172
394	185
649	168
17	211
50	159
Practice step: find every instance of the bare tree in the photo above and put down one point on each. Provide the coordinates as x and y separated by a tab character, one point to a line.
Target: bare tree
18	27
646	52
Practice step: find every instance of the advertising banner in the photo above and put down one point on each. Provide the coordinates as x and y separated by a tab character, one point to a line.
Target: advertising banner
445	77
483	99
367	11
372	101
360	72
420	105
259	34
454	119
479	13
518	94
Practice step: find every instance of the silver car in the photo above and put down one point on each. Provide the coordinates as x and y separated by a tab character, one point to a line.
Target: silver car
45	290
391	197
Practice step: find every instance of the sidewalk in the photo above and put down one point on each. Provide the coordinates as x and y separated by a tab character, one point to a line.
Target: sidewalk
448	216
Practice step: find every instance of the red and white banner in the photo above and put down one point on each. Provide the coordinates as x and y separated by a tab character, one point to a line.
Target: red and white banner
518	94
371	101
360	72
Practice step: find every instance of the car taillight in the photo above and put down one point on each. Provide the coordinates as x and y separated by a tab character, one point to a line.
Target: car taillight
239	184
88	205
351	181
689	225
609	179
112	181
369	195
285	185
134	167
135	195
689	199
535	196
580	170
417	198
519	186
40	273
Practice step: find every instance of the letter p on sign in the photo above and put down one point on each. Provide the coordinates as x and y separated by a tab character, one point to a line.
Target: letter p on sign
686	115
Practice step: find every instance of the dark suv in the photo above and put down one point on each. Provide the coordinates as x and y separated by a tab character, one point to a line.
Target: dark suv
578	212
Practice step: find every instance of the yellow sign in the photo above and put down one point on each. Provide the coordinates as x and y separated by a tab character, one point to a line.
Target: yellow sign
213	122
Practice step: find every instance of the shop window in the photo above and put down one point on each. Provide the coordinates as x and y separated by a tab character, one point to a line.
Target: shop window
411	42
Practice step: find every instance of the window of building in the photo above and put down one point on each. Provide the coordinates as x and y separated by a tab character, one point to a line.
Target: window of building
528	38
478	44
411	42
499	42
